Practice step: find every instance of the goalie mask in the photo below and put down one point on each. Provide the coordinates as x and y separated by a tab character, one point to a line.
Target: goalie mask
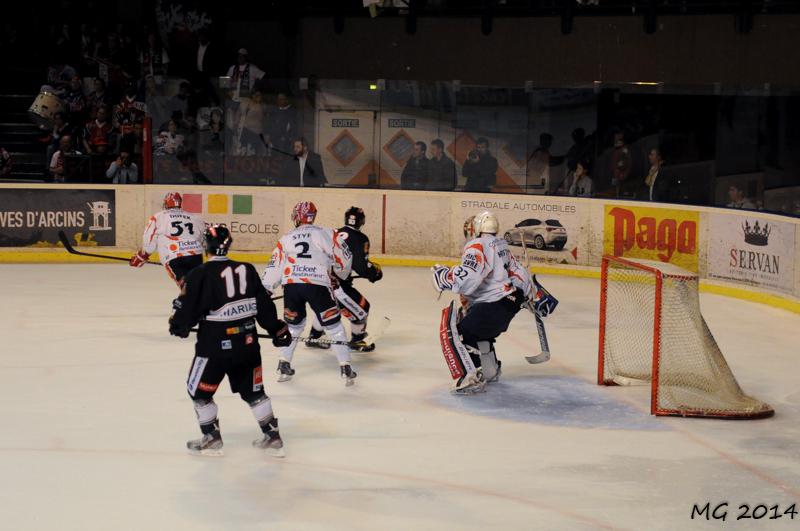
469	233
485	222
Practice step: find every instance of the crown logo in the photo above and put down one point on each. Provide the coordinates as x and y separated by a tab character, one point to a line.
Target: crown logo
755	234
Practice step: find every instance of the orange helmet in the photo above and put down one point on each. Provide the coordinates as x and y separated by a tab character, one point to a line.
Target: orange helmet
304	212
173	200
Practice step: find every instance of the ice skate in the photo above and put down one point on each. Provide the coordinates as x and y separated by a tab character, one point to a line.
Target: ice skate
470	384
271	441
316	334
497	373
209	445
285	371
358	343
348	374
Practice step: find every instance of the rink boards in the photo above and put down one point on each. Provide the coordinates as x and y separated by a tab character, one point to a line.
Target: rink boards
745	254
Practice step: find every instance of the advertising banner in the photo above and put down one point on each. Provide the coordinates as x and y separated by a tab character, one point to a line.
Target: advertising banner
345	141
542	230
33	217
256	220
661	234
754	251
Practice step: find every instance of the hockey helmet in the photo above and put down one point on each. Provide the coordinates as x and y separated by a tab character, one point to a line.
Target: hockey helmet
173	200
354	217
485	222
304	212
218	240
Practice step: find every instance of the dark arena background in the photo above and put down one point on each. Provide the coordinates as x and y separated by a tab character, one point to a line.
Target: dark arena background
605	195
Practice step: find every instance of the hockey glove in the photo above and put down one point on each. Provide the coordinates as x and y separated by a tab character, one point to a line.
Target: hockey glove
543	303
442	278
282	338
375	272
139	259
178	330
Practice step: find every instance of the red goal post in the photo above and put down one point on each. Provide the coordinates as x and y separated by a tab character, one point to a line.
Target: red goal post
652	332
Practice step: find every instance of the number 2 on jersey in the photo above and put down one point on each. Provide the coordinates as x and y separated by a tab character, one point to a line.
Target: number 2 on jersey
303	248
227	274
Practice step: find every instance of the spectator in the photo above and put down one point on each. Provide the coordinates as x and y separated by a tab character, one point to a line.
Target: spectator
206	68
213	139
156	104
60	128
153	59
538	168
87	44
578	151
130	108
57	162
243	76
123	170
98	136
169	142
5	162
738	199
415	174
282	124
621	162
655	188
581	185
304	169
441	169
180	101
99	97
58	77
480	168
250	121
75	100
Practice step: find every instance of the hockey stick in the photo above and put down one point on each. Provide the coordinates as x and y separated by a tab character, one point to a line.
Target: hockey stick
70	249
545	354
372	338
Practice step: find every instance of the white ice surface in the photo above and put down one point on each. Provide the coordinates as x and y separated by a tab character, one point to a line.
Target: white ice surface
95	418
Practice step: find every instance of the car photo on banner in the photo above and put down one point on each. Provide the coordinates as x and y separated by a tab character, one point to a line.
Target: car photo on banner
538	234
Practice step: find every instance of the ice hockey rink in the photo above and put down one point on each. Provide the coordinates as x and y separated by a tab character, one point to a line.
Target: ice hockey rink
95	420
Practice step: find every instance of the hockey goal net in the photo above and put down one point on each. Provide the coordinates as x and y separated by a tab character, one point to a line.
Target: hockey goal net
652	332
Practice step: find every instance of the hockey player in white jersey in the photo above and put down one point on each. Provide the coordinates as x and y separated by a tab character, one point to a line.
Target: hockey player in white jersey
303	262
177	235
494	287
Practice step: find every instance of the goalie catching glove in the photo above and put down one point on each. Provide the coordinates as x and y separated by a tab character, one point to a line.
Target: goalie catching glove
375	272
542	302
442	278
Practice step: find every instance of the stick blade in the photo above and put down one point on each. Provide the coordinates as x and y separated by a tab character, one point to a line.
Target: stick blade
62	236
539	358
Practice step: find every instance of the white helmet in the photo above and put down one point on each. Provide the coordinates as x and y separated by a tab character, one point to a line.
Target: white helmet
485	222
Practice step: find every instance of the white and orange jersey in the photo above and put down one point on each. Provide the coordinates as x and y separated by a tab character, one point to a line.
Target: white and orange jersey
488	271
173	233
307	255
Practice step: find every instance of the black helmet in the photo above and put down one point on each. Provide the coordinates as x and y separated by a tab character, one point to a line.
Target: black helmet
218	240
354	217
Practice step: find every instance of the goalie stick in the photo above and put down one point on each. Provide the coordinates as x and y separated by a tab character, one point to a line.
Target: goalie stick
545	354
385	322
72	250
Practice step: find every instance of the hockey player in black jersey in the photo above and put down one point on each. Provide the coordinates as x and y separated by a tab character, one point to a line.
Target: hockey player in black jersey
227	298
353	304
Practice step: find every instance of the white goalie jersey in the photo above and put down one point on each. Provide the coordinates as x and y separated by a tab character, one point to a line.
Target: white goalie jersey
173	233
488	271
307	255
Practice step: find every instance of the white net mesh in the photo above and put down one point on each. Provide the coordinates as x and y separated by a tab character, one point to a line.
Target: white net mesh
693	377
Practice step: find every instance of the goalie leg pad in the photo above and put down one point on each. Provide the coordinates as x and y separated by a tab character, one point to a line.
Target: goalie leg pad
489	363
456	355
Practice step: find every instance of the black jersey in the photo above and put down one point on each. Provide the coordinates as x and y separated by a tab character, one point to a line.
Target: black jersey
226	298
358	243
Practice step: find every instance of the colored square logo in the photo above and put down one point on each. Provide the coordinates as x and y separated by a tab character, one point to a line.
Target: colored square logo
193	203
242	204
217	204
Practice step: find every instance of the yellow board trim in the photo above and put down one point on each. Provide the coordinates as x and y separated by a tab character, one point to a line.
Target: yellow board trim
53	257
